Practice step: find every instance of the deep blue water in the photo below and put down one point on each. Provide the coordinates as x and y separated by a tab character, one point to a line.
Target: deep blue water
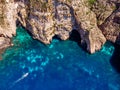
62	65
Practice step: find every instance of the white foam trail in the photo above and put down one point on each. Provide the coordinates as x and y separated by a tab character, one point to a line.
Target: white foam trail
21	78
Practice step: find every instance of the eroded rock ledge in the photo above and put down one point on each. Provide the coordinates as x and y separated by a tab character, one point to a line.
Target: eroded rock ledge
45	19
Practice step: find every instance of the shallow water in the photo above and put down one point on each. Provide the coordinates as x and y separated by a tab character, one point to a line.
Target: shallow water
62	65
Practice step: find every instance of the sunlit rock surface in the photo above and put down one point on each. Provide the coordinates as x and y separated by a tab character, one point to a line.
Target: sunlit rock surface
46	19
111	27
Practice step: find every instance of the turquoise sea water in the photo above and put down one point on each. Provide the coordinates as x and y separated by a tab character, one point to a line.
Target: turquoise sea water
62	65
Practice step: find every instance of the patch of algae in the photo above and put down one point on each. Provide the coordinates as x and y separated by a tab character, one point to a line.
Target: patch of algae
91	2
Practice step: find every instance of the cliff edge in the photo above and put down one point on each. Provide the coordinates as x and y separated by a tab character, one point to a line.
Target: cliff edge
45	19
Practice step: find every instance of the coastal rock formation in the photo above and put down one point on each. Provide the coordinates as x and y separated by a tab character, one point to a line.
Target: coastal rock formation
103	9
111	27
7	22
7	18
45	19
4	42
51	18
87	26
48	19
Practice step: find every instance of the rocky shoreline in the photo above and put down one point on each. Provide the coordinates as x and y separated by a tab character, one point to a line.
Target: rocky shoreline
95	20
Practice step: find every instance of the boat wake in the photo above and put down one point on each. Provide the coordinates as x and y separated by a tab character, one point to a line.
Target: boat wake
18	80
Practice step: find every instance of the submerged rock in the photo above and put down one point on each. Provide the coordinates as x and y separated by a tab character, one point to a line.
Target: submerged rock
45	19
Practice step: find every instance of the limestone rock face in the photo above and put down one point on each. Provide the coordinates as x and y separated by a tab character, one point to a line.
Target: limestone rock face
64	20
45	19
103	9
7	18
87	26
111	27
7	22
4	42
48	19
108	18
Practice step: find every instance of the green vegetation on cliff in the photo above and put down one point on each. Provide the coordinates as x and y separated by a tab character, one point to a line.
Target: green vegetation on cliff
91	2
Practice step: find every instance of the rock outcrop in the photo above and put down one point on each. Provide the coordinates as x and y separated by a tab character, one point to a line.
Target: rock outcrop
7	18
87	26
45	19
103	9
5	42
111	26
7	22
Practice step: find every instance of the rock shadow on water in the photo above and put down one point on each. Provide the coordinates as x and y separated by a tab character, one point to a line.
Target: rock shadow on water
115	59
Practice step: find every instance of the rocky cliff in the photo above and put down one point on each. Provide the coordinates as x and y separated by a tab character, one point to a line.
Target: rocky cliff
95	20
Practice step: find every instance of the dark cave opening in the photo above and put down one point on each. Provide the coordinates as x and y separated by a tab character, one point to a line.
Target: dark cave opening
75	36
